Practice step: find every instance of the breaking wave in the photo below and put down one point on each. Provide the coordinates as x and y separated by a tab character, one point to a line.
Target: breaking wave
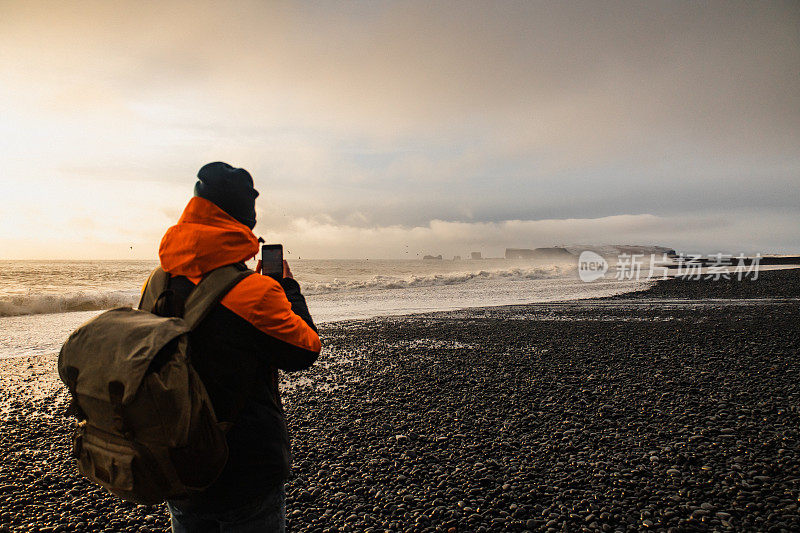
37	304
434	280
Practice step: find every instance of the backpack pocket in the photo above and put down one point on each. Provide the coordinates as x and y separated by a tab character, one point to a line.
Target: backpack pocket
111	466
126	469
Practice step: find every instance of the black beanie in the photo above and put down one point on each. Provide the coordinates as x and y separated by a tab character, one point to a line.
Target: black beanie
231	189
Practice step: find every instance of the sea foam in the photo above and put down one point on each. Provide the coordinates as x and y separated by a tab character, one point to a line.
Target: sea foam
36	304
442	279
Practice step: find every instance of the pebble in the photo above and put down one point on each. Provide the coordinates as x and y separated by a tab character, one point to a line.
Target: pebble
531	418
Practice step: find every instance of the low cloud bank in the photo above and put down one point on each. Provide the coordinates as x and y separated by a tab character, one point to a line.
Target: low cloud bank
72	219
749	234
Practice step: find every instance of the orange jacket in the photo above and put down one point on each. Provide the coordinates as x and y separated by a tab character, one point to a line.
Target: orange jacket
205	238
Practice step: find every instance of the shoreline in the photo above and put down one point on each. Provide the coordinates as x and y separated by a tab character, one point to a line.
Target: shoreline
45	332
608	415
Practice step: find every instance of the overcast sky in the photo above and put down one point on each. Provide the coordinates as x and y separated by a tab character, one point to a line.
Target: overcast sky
369	126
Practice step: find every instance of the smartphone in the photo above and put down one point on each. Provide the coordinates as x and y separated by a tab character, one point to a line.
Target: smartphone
272	260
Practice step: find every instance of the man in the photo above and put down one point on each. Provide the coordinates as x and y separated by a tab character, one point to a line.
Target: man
260	326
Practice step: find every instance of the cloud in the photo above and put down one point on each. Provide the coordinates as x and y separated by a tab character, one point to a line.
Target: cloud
710	233
397	114
59	220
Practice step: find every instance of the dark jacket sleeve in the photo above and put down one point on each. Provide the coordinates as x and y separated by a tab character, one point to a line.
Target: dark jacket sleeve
284	355
285	334
298	301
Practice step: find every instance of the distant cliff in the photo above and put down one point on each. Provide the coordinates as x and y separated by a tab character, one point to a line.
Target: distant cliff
614	250
568	253
549	254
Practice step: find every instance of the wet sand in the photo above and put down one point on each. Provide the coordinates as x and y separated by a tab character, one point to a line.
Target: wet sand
673	409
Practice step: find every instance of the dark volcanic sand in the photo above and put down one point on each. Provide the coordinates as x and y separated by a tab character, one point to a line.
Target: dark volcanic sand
611	415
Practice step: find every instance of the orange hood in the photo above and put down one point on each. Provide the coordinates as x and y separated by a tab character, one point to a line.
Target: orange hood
205	237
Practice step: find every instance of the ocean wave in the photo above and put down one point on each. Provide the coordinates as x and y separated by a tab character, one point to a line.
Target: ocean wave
435	280
37	304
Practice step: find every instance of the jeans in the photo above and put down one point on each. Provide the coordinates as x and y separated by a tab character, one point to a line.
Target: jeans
264	515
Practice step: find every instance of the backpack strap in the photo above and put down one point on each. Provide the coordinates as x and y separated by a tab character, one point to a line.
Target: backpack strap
210	291
155	286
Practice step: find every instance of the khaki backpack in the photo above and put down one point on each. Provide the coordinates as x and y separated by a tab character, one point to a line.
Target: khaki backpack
147	431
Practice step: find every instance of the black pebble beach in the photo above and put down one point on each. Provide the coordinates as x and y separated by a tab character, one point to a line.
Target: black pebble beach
675	409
